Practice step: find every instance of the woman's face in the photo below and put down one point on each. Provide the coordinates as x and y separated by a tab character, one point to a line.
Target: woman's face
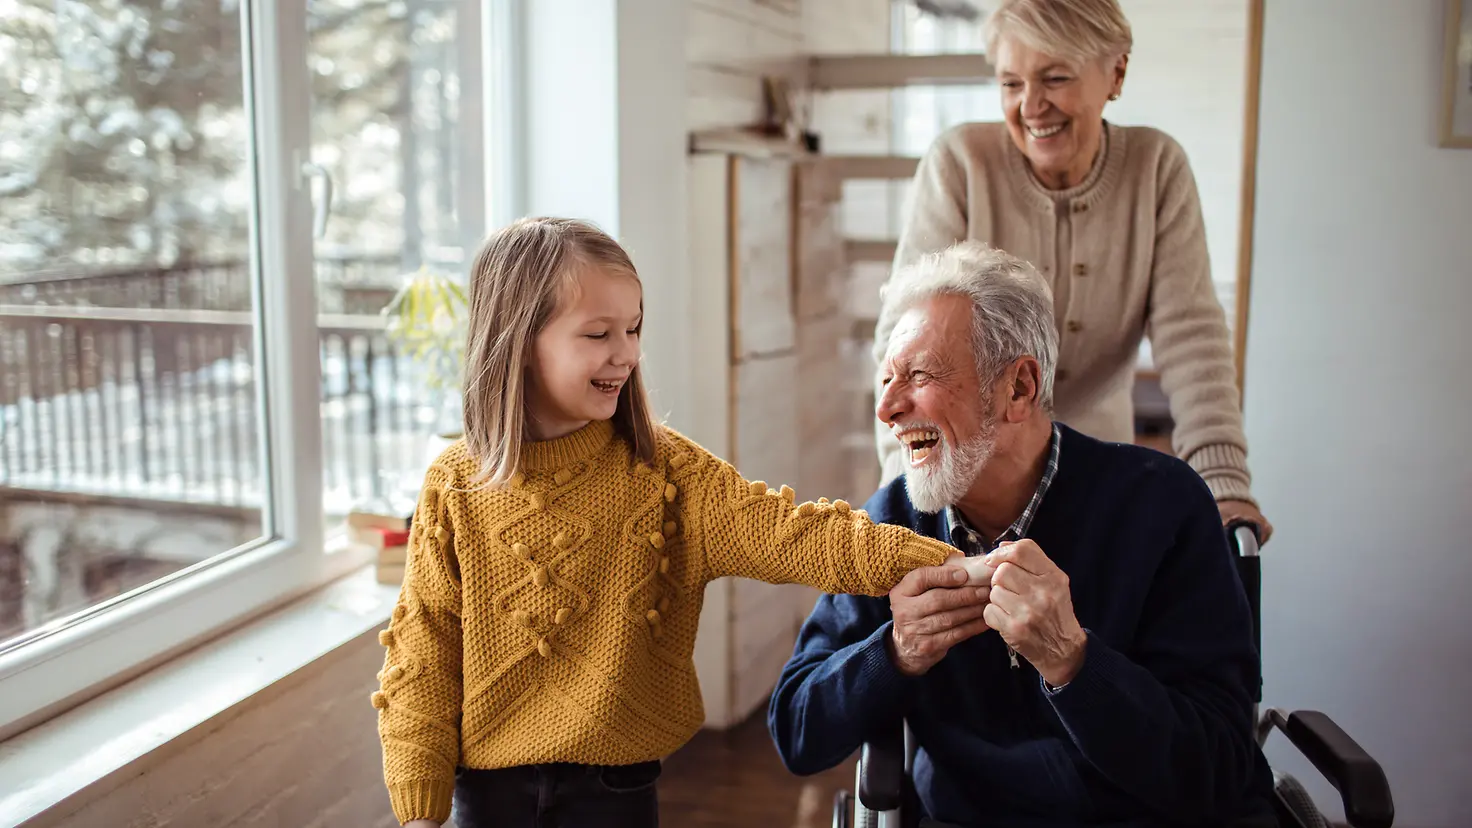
1055	108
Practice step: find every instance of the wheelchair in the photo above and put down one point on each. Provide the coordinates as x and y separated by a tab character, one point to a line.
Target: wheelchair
884	765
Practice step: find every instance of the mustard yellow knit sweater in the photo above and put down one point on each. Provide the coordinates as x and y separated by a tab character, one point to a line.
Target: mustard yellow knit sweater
555	620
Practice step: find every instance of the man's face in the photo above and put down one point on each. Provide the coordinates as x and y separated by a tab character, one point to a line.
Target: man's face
935	403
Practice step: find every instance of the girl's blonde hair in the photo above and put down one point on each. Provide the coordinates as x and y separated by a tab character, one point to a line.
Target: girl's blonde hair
517	281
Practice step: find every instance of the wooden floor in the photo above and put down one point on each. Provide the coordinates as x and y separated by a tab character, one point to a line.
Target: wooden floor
734	778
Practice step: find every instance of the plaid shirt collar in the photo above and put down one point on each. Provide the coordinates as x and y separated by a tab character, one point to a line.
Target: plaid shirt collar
968	540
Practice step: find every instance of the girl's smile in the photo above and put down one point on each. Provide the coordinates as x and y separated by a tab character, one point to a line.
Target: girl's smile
582	359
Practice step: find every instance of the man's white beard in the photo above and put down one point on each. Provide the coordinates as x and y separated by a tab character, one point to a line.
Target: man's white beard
937	485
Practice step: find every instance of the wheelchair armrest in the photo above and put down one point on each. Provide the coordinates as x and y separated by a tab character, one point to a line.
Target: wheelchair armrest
882	772
1353	772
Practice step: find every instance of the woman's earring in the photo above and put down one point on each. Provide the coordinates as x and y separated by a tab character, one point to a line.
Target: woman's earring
1114	97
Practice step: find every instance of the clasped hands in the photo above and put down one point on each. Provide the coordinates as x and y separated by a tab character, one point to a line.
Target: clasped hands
1016	590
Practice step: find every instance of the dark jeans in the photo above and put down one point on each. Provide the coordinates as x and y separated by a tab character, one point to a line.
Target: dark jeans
557	796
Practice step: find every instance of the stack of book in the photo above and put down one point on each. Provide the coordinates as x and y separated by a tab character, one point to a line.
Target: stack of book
388	535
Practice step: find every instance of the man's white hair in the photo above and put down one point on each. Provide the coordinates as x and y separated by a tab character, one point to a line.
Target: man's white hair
1012	307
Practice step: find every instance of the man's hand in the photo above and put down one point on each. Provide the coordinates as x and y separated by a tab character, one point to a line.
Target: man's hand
934	610
1242	510
1031	607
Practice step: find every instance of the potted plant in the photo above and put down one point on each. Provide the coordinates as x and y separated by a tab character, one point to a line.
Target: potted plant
427	323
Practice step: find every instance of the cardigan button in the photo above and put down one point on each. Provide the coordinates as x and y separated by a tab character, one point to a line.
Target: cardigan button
1074	326
1080	269
1060	375
1080	207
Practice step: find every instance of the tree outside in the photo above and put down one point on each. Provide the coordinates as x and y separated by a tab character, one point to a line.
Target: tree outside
124	138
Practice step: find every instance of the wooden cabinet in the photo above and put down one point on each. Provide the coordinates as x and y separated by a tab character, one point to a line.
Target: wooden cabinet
742	224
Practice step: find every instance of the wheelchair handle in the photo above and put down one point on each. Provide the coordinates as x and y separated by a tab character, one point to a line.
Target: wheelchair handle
1246	537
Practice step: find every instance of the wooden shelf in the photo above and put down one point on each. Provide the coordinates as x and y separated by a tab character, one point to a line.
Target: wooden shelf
828	72
869	167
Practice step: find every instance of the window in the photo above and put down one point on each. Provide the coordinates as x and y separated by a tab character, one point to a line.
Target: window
922	113
130	432
204	208
387	129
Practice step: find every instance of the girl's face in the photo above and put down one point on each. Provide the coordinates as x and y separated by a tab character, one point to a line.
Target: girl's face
582	358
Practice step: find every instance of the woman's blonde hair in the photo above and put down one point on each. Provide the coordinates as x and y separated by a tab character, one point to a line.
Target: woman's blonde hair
1075	29
517	281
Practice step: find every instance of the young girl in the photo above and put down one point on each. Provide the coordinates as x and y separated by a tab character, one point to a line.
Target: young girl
539	656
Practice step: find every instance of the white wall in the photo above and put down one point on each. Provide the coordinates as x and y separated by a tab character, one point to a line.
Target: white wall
1358	396
605	140
729	45
1187	76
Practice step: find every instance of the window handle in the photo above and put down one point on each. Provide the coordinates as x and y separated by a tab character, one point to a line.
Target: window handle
321	211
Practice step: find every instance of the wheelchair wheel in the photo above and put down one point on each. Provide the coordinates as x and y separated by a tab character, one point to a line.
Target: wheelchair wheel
1296	799
843	810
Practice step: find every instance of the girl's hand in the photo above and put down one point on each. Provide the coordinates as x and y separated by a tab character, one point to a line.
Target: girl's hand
977	571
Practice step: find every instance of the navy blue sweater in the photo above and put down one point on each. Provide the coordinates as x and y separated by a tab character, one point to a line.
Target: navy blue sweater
1153	731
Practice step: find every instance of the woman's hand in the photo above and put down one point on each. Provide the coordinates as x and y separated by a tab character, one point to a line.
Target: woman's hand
1242	510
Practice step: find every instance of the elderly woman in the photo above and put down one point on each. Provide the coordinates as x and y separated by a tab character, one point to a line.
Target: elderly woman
1110	216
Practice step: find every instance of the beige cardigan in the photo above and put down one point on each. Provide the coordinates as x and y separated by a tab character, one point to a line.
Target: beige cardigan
1125	255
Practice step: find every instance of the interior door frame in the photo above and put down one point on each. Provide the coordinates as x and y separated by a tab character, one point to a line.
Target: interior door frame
1247	206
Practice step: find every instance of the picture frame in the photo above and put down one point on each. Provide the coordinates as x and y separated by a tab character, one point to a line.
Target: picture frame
1456	83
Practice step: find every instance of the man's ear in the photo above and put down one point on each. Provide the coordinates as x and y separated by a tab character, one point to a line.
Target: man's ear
1023	384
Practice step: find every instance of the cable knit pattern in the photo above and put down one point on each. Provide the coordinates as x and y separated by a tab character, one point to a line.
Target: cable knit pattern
554	620
1125	255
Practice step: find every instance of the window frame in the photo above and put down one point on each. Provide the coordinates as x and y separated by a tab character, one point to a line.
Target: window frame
100	647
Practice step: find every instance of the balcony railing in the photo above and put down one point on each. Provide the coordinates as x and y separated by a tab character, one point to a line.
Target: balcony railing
145	384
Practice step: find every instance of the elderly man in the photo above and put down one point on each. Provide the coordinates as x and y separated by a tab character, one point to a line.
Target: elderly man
1101	670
